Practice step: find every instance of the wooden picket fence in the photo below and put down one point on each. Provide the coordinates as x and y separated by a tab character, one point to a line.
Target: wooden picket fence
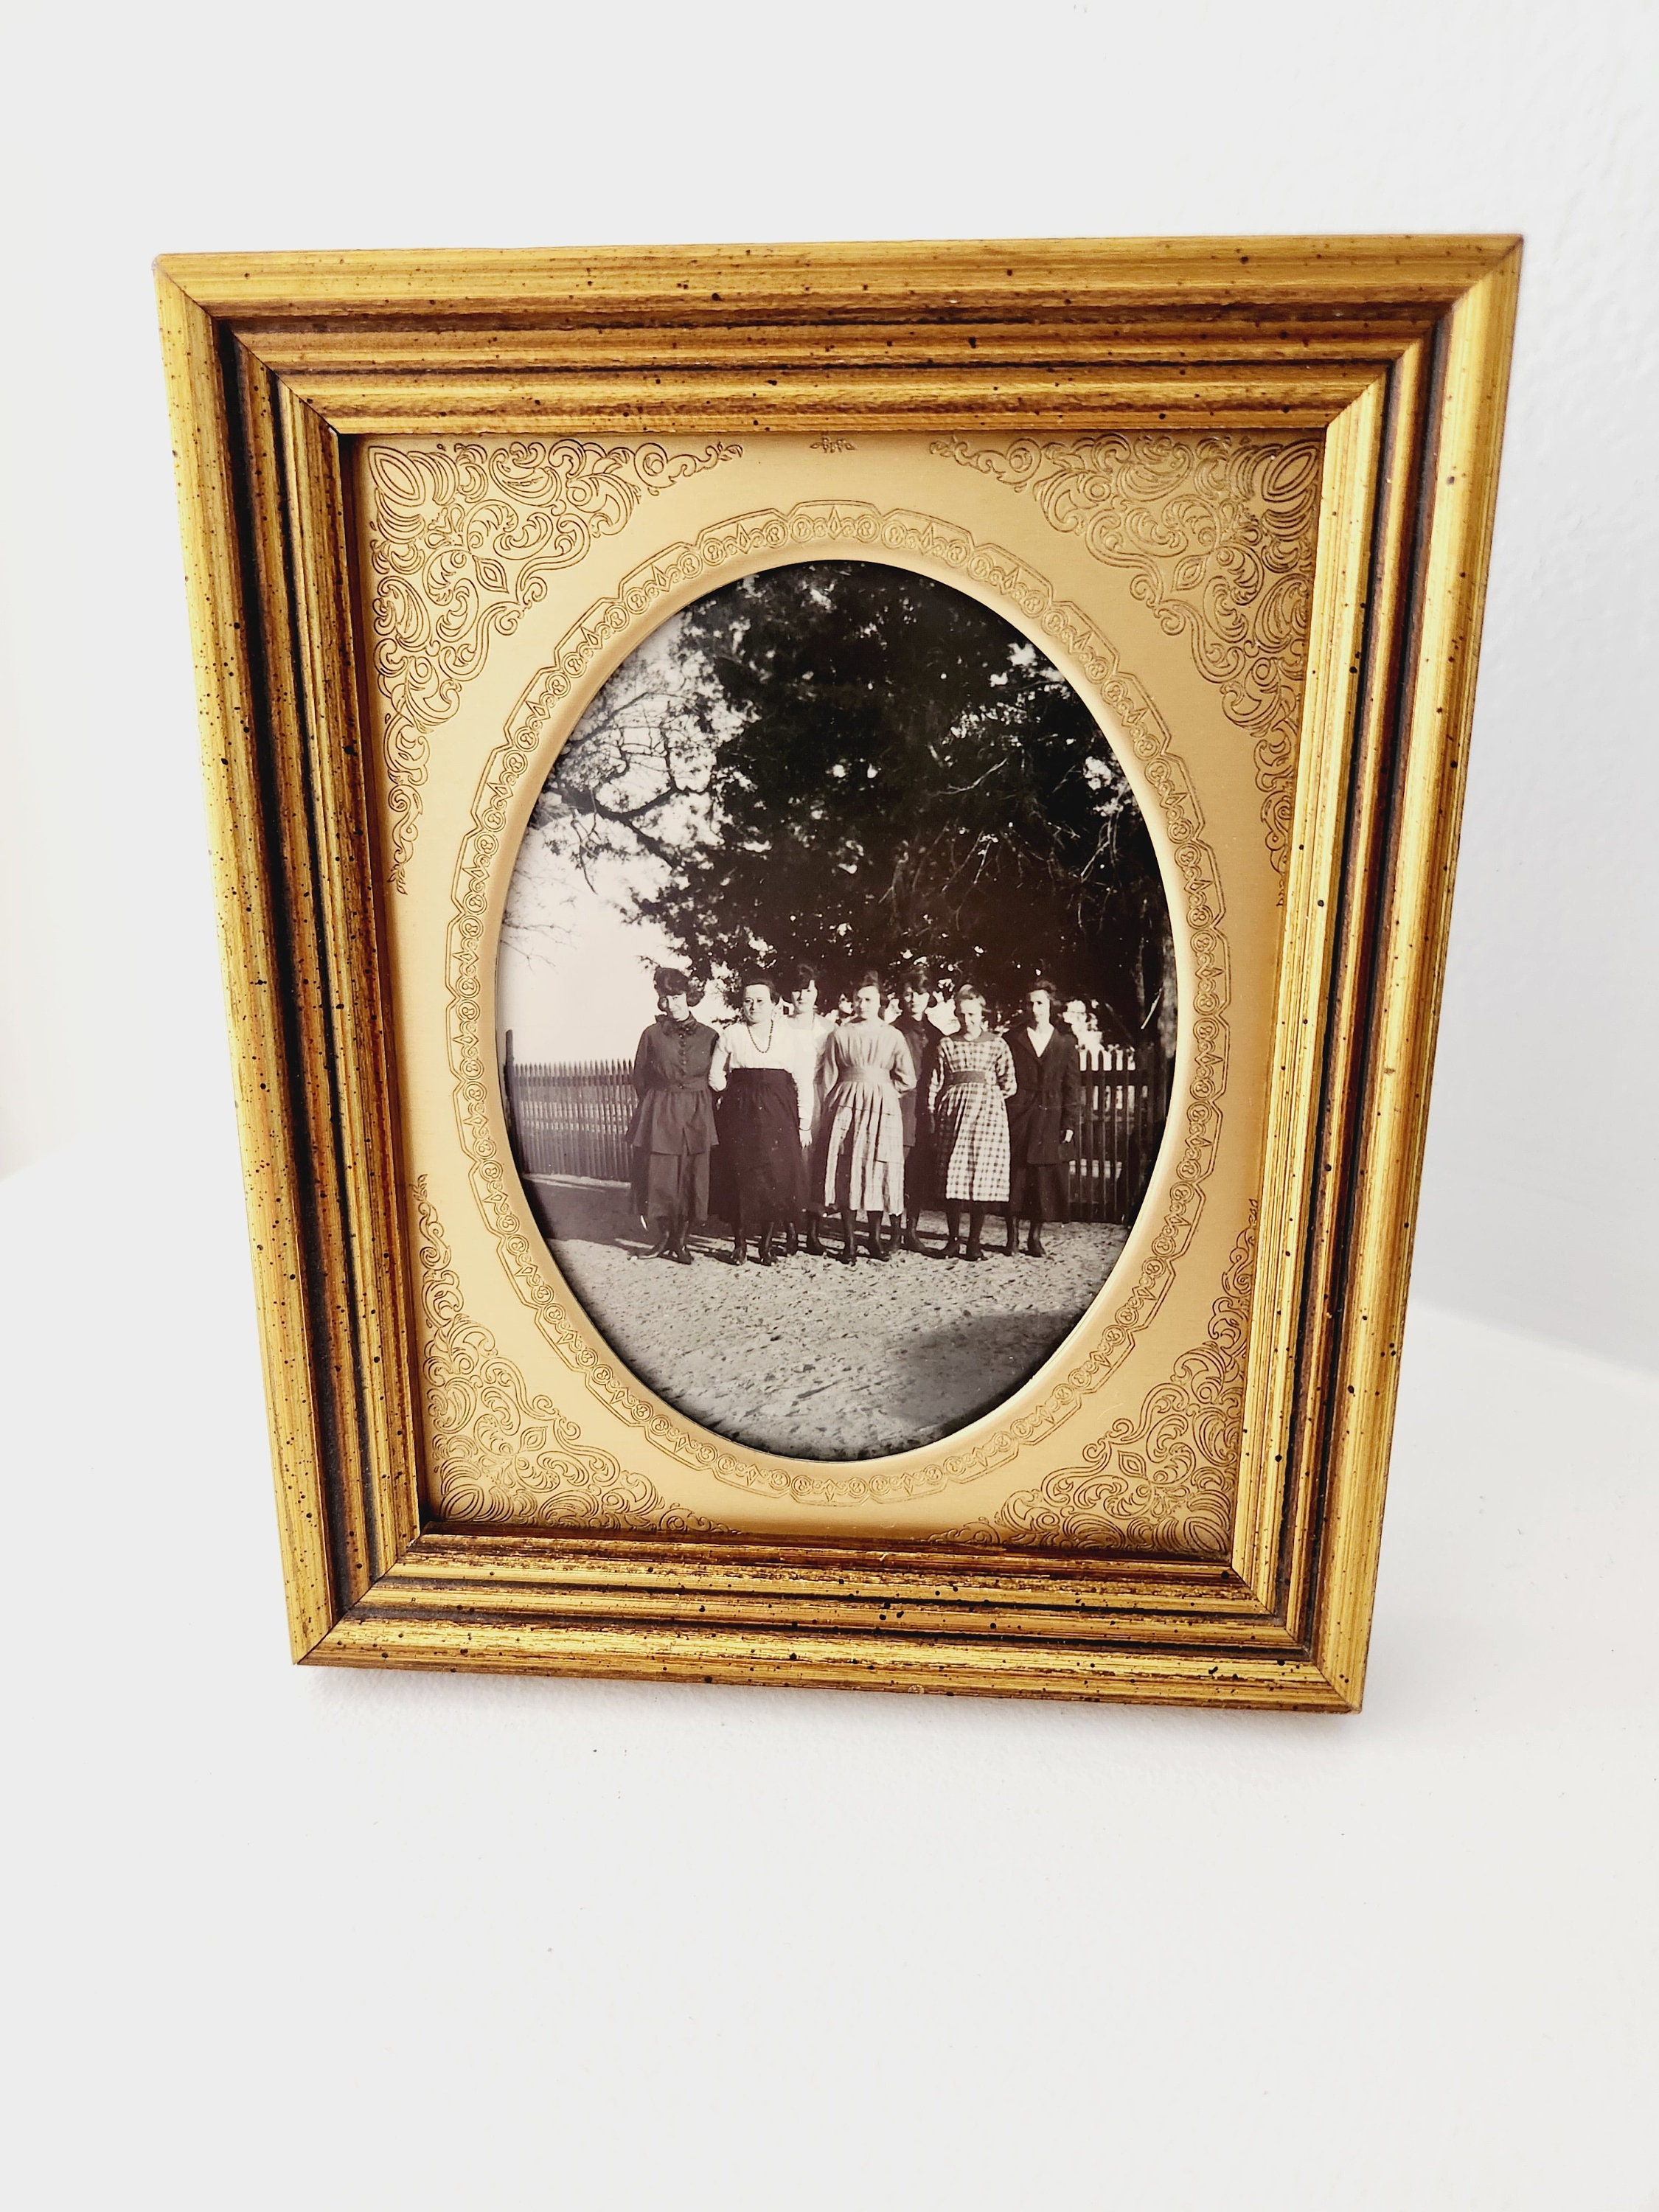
571	1119
1126	1096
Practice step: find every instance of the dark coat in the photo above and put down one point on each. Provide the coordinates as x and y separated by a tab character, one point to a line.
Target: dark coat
922	1043
676	1112
1047	1100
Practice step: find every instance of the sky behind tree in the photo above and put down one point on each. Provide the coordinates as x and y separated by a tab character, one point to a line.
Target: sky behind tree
838	760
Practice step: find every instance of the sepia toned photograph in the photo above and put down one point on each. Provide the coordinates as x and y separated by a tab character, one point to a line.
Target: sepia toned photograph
837	1010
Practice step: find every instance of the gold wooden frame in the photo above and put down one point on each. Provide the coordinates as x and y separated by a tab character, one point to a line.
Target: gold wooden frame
1396	349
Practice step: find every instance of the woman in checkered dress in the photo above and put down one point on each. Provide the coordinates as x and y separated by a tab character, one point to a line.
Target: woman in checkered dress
973	1077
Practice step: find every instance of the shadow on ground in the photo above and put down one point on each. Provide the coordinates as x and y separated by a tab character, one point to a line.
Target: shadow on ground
811	1359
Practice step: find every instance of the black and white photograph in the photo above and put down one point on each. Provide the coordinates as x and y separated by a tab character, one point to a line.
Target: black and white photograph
836	1008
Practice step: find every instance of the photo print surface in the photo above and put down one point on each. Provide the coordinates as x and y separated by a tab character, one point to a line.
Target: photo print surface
837	1010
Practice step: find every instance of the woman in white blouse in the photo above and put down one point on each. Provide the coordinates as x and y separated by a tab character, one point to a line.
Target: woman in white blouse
763	1071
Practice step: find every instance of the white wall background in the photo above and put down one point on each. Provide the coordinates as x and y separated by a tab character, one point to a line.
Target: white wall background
289	1937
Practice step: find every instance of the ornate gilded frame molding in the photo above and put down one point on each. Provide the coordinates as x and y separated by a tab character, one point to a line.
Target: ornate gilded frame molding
1394	351
843	525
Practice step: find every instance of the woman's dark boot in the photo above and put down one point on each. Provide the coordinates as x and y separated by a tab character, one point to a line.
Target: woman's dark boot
764	1255
849	1242
953	1233
739	1250
790	1241
877	1243
679	1249
814	1242
975	1232
912	1242
1034	1244
1013	1245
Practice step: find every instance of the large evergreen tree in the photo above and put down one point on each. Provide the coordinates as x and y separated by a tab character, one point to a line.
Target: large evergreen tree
856	765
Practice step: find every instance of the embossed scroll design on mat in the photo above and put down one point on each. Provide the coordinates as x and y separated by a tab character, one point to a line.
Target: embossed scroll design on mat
1218	534
746	542
1162	1482
499	1452
463	539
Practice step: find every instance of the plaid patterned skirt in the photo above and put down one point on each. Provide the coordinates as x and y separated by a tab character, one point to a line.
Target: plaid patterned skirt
970	1142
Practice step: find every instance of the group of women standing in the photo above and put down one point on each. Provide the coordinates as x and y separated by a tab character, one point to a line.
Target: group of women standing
805	1117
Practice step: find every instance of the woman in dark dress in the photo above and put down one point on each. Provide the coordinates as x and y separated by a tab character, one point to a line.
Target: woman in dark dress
1041	1116
921	1040
672	1131
764	1073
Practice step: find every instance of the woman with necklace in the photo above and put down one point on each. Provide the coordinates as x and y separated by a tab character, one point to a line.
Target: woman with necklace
1041	1116
860	1161
765	1074
973	1075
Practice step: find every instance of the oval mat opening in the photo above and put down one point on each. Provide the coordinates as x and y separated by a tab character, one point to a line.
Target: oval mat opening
836	964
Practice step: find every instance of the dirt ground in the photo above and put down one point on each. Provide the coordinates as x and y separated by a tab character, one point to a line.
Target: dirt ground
810	1358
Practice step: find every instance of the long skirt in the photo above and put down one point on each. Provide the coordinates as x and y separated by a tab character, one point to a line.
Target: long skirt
860	1154
918	1177
762	1173
671	1185
971	1143
1038	1190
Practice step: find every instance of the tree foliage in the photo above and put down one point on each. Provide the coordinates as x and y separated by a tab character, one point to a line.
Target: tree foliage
853	764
